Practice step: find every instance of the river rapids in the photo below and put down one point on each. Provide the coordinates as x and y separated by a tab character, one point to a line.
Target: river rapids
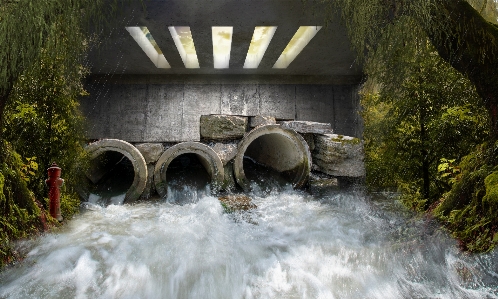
340	245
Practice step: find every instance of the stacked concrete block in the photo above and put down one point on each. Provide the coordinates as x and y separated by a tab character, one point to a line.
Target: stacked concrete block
338	155
259	120
223	127
307	127
151	153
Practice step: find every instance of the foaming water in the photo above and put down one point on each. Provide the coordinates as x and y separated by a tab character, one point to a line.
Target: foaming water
292	246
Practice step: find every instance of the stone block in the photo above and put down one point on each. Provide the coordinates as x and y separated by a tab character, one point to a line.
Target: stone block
339	155
226	151
150	151
307	127
150	189
222	127
260	120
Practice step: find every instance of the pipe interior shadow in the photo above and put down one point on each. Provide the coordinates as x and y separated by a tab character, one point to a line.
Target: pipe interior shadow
110	176
187	179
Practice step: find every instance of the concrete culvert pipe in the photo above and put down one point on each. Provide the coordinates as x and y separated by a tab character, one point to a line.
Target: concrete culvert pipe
117	173
177	158
281	150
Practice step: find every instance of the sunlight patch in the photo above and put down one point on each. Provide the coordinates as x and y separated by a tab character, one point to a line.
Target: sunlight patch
145	40
261	38
222	44
302	37
182	36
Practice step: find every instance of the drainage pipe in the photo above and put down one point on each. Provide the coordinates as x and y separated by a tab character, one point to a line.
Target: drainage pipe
131	153
206	155
282	150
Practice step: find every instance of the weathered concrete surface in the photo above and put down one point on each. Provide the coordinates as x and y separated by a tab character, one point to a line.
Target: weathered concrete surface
307	127
226	151
150	151
280	149
260	120
339	155
222	127
129	151
236	202
149	189
206	155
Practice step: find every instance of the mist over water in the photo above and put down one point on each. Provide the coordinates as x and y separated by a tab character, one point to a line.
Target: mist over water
342	245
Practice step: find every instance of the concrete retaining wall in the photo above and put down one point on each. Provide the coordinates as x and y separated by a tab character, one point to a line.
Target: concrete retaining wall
152	112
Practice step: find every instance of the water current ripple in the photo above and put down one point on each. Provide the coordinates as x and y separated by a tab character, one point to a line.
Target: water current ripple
343	245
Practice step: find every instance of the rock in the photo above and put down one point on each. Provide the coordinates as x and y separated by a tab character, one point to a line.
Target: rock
308	127
223	127
226	151
150	151
260	120
236	202
338	155
320	184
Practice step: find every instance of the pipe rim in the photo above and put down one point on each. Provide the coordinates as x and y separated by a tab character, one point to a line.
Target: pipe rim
136	189
240	177
216	171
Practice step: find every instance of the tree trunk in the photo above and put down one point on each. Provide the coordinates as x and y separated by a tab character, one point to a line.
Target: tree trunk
4	97
469	44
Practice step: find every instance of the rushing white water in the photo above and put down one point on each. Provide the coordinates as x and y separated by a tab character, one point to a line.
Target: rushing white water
292	246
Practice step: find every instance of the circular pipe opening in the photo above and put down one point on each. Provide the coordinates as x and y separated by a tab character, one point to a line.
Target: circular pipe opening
117	173
272	155
184	170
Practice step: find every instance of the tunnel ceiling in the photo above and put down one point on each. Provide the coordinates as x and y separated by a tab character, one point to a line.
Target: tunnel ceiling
328	53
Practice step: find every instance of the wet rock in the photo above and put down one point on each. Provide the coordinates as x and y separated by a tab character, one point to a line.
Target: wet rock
260	120
223	127
226	151
338	155
308	127
150	151
321	183
236	202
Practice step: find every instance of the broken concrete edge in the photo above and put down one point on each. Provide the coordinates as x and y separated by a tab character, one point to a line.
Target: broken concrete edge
136	189
304	127
207	156
305	167
260	120
150	151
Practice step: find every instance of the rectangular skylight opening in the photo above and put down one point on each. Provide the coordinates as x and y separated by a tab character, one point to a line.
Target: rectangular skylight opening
302	37
185	44
222	44
261	38
145	40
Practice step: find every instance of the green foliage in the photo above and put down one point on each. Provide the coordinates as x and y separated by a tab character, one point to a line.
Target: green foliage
19	216
469	209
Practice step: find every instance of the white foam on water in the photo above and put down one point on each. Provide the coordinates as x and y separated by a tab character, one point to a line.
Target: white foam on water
292	246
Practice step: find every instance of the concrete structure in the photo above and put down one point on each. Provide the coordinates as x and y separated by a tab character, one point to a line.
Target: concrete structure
207	156
280	149
149	86
131	153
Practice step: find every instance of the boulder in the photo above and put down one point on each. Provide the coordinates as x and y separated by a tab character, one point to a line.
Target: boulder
226	151
338	155
223	127
236	202
260	120
307	127
150	151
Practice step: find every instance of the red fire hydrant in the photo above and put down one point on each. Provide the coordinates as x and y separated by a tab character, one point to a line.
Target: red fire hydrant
54	183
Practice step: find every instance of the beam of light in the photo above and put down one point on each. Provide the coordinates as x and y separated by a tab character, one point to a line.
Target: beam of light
145	40
185	44
302	37
261	38
222	44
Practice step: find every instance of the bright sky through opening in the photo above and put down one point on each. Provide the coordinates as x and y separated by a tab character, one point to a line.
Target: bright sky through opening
185	44
302	37
222	44
261	38
145	40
